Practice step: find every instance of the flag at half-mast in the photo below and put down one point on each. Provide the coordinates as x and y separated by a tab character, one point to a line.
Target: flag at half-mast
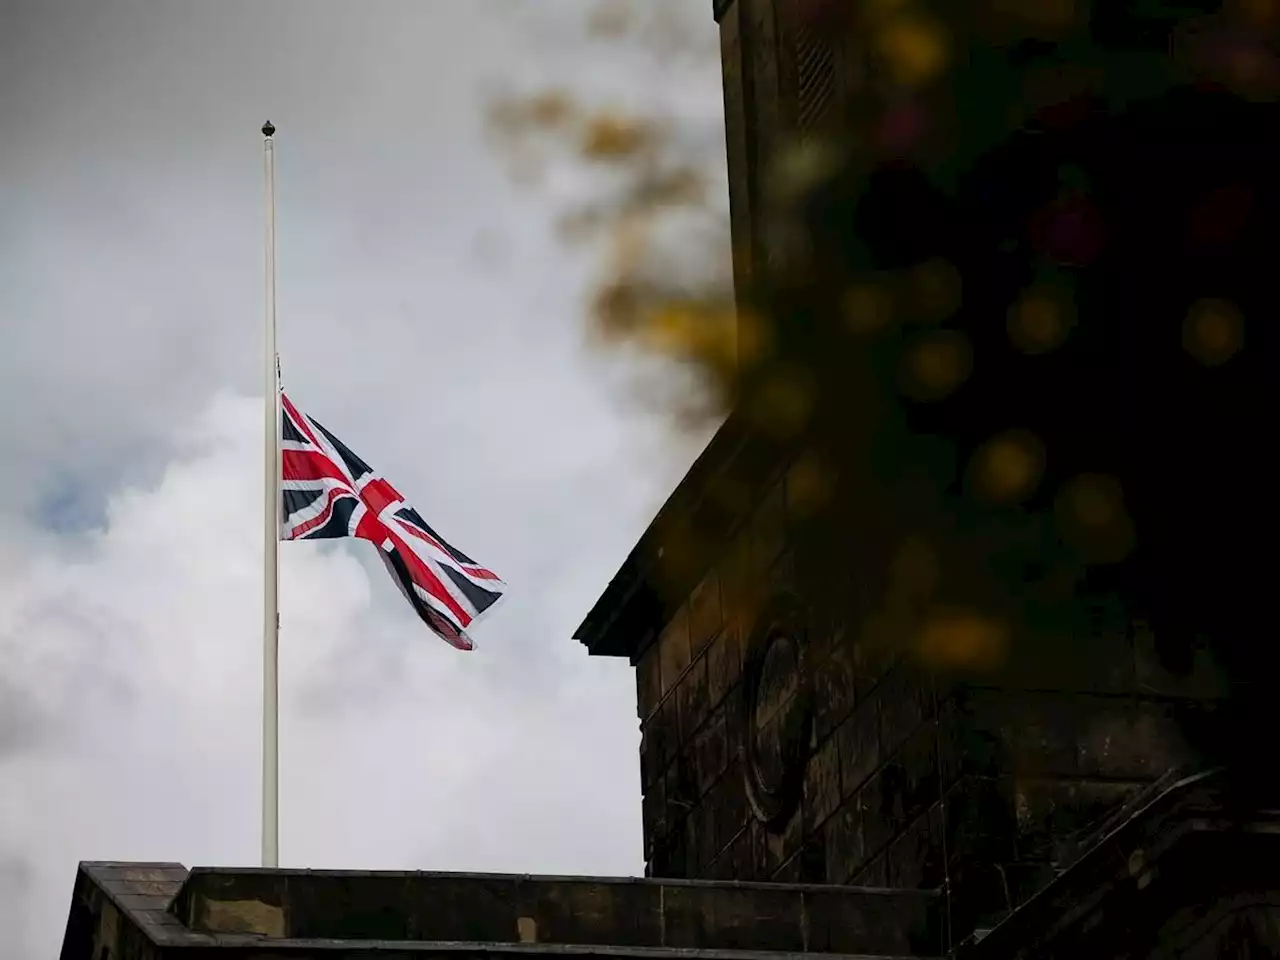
329	492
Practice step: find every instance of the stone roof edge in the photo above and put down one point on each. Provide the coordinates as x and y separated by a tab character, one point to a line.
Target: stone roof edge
161	927
629	613
1174	807
629	609
155	922
692	882
462	948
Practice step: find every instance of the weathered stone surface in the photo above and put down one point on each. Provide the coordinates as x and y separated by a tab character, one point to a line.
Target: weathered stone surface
768	530
1205	679
842	838
916	858
821	786
724	663
705	612
673	649
1050	812
918	759
859	745
980	821
1129	738
649	681
660	739
357	913
692	700
654	808
711	751
834	689
904	700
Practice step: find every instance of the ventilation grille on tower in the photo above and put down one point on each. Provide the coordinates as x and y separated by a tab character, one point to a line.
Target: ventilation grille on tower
815	76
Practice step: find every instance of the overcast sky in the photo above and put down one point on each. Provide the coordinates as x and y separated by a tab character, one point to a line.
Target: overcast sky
428	317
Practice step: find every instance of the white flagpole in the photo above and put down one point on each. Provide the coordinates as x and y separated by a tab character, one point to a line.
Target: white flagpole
271	535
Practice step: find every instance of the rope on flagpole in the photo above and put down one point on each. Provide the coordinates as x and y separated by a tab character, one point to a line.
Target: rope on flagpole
271	533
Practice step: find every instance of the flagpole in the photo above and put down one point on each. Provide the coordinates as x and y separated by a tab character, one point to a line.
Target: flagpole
271	533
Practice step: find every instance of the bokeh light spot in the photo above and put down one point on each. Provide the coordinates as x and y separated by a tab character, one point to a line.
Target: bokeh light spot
1213	332
810	485
1039	322
914	48
913	572
935	365
1093	519
936	288
782	404
867	308
963	638
1007	468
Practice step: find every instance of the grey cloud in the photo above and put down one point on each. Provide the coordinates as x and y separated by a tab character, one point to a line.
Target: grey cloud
22	724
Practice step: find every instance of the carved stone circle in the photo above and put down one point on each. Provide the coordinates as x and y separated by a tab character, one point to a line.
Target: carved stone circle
778	706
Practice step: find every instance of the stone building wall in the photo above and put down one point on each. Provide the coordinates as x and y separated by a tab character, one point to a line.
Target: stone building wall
907	779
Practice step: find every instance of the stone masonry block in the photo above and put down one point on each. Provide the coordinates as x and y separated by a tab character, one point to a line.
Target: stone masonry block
872	659
905	701
662	731
673	645
654	809
724	663
1204	679
649	682
789	872
821	785
681	791
774	847
842	836
737	862
916	859
759	919
649	759
833	689
880	821
1006	731
980	822
692	699
918	759
728	798
874	873
710	751
813	861
735	707
1050	812
768	529
1094	656
705	612
782	575
858	740
1127	738
739	581
701	838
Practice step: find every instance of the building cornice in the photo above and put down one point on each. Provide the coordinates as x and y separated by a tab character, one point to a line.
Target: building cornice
631	610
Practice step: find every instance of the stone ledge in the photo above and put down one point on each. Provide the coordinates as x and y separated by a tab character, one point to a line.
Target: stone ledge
369	913
566	911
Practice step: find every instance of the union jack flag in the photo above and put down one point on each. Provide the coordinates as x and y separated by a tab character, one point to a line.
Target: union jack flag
329	492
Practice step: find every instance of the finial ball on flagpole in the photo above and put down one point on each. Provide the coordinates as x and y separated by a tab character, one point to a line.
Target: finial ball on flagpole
268	129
